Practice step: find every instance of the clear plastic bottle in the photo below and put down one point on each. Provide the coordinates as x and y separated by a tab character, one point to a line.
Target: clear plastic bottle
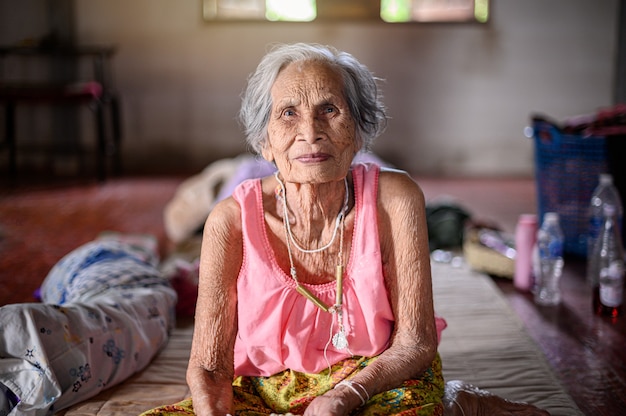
550	250
605	193
609	256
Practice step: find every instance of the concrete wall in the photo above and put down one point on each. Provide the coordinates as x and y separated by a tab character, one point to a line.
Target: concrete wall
459	95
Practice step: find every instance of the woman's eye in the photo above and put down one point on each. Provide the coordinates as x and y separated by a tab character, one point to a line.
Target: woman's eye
288	113
329	110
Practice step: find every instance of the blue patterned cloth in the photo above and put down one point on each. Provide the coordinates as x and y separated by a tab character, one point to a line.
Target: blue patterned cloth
111	262
107	312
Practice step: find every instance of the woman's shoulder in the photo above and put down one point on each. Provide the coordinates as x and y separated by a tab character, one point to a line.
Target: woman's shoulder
398	192
225	214
394	181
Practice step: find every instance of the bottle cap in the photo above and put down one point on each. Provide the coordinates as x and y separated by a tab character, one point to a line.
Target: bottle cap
528	219
551	217
606	178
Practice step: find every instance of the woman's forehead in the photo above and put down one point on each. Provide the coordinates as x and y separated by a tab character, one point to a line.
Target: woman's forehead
304	78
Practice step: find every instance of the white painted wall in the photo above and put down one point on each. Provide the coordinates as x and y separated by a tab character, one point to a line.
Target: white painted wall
459	95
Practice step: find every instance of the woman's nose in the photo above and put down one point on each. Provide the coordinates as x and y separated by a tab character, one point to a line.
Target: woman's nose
310	129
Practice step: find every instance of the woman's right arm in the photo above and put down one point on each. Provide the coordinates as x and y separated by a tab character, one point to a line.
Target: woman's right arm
210	372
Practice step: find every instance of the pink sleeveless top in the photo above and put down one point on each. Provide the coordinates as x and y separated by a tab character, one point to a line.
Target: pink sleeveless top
280	329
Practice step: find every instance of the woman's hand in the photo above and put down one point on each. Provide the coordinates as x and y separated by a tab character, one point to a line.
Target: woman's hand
209	397
339	401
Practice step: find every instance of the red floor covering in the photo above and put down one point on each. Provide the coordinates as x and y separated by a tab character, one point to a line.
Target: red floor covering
39	226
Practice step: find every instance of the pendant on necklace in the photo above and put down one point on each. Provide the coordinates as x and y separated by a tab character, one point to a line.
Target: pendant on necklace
340	341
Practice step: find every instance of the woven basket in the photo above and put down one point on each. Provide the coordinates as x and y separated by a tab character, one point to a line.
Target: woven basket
567	167
485	259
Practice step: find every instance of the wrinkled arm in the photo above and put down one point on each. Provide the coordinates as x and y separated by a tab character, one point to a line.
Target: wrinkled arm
406	264
210	372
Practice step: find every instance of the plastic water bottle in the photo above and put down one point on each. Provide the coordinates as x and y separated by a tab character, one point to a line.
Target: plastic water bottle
605	193
550	249
608	254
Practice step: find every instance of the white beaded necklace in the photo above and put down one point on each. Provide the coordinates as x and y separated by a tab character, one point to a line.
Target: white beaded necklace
339	339
341	214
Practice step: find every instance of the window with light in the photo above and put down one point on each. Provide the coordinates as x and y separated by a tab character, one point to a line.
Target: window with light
389	11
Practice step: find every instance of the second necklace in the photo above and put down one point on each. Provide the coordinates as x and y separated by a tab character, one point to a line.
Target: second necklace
339	339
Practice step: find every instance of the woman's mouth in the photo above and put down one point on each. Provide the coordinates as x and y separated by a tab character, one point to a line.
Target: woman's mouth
313	157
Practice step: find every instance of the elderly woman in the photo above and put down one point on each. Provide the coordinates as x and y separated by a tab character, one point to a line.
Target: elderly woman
315	290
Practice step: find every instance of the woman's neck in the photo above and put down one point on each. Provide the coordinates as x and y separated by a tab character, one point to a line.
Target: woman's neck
313	210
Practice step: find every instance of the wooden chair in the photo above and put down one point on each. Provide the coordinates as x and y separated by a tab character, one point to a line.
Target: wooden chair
90	94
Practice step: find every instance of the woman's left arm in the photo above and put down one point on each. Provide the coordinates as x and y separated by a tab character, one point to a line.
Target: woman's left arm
406	264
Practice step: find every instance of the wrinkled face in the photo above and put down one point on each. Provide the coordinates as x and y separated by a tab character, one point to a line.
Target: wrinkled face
311	132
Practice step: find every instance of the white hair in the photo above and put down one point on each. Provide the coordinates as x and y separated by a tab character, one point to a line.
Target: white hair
361	91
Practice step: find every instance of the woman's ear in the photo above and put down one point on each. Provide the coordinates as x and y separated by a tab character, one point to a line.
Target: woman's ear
266	152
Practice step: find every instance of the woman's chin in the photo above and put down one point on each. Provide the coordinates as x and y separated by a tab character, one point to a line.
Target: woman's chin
322	172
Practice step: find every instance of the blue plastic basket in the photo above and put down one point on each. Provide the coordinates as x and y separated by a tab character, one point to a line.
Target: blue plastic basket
567	167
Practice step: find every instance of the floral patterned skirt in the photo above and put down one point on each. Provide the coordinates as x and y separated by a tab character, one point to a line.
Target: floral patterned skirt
292	391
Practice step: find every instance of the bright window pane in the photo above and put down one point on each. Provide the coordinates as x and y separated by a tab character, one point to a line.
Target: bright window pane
481	10
395	10
290	10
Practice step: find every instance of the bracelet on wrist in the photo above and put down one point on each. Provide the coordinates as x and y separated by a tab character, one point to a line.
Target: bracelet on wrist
360	391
